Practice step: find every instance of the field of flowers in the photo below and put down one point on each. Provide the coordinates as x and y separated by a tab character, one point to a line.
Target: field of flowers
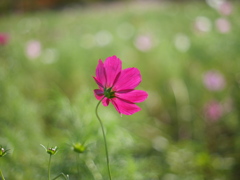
189	126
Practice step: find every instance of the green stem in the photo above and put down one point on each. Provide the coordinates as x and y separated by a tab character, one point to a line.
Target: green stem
78	164
2	175
104	137
49	166
62	174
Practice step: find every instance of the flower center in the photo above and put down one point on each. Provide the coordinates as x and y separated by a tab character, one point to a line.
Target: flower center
109	93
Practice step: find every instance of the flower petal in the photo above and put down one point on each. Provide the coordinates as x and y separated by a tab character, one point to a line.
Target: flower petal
98	83
100	73
128	79
134	96
124	107
113	67
99	94
105	101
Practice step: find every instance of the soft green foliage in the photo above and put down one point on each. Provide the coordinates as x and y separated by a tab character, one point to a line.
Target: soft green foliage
48	99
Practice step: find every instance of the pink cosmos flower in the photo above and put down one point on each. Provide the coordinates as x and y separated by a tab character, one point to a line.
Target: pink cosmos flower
144	43
117	86
3	38
213	111
214	80
225	8
33	49
223	25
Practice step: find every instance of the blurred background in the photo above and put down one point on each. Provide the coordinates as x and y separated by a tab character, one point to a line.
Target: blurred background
188	55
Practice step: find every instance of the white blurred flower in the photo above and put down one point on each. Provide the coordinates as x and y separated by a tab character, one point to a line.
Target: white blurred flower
202	24
182	42
215	3
49	56
125	30
103	38
160	143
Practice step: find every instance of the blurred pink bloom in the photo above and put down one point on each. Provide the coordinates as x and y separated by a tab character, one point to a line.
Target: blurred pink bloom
117	86
213	110
214	80
143	43
4	38
225	8
33	49
223	25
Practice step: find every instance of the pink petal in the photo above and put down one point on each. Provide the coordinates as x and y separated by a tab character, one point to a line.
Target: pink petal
128	79
113	67
124	107
100	73
134	96
99	84
98	94
105	101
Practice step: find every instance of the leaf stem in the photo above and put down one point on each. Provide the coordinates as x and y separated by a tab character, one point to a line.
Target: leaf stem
78	168
105	139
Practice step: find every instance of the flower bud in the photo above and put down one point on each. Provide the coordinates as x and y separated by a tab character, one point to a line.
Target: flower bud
51	151
78	148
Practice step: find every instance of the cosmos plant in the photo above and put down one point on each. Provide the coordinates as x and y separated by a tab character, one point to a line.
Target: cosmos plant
117	86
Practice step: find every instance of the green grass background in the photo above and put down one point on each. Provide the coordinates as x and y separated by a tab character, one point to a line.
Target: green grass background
49	100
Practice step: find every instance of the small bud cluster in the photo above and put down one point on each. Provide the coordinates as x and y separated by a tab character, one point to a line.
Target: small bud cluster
3	152
52	151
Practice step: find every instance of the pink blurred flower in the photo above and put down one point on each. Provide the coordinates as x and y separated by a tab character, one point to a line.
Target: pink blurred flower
223	25
214	80
4	38
225	8
33	49
213	111
117	86
143	43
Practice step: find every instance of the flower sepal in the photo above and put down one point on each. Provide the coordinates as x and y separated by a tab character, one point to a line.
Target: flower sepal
108	93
